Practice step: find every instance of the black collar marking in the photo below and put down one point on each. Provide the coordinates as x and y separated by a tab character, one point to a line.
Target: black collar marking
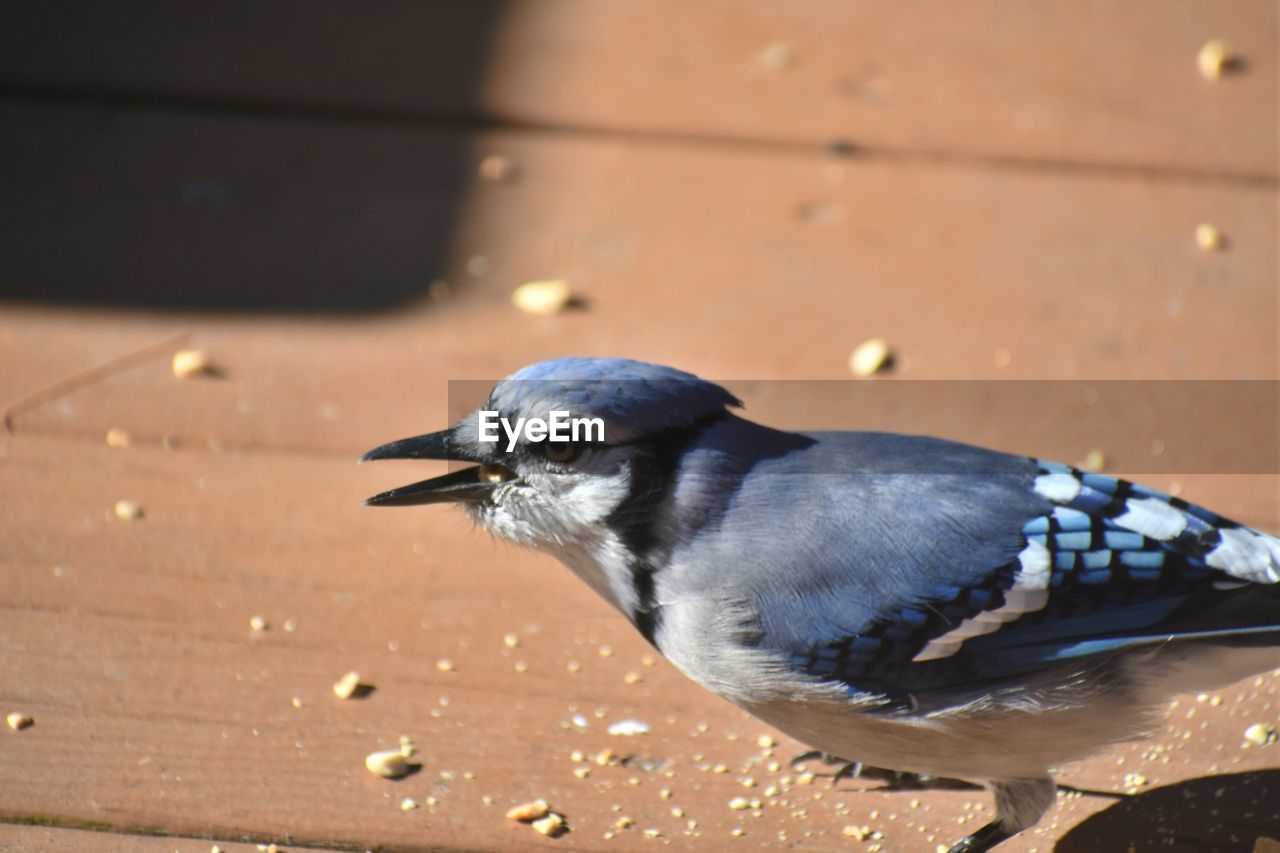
634	520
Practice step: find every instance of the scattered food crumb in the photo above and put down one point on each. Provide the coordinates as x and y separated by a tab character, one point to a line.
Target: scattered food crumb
776	56
532	810
543	298
444	665
633	678
190	362
1208	237
582	772
128	510
857	833
477	266
624	823
605	651
290	626
870	357
257	624
408	804
511	641
739	803
766	742
1214	58
627	728
820	212
551	825
1094	461
117	437
573	666
18	720
347	686
389	764
296	701
1258	734
498	169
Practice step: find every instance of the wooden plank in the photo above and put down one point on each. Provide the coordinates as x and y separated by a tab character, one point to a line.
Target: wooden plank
403	56
1066	81
223	214
339	392
50	839
157	707
969	273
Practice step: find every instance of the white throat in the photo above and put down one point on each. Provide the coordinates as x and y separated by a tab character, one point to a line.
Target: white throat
571	526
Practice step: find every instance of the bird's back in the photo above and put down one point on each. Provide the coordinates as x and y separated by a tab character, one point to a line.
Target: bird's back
931	572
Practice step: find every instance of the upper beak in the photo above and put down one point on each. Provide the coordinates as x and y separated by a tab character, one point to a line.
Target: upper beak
468	485
433	445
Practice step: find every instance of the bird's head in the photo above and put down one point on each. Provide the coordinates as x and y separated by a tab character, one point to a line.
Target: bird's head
538	482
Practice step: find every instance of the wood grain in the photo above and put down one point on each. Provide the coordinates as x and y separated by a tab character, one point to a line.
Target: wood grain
1074	83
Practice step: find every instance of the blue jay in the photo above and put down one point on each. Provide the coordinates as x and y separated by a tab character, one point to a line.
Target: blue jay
906	601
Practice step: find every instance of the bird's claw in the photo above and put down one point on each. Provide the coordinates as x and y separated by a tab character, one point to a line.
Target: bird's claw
982	840
891	780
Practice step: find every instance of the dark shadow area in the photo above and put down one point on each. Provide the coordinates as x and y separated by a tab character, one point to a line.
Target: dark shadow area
242	156
1213	814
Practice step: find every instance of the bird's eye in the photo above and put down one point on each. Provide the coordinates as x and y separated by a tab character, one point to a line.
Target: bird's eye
561	451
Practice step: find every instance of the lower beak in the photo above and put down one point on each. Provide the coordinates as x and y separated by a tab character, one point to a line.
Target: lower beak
470	485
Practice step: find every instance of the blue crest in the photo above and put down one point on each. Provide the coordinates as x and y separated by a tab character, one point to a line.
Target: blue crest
634	398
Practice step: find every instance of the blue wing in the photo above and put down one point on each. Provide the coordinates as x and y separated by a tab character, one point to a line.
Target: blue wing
1110	566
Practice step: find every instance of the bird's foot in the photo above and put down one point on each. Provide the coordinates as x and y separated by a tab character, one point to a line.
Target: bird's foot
983	840
891	780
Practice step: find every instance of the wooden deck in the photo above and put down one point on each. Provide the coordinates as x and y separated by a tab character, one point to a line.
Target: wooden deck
742	189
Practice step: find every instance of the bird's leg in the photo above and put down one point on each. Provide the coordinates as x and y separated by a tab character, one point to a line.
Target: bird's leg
983	840
1020	803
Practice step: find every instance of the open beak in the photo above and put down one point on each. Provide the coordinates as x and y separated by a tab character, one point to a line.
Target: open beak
470	485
